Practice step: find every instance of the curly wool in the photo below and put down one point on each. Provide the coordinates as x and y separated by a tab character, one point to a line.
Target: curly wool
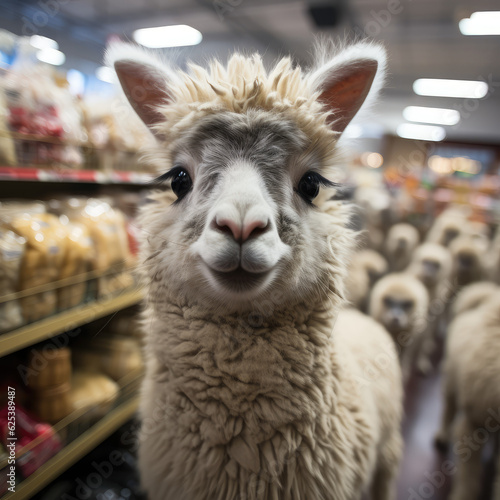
472	391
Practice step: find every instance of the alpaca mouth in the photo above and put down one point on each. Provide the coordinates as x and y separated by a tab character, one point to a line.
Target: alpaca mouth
240	280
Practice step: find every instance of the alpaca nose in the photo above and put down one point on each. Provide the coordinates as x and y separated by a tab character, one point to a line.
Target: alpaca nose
242	231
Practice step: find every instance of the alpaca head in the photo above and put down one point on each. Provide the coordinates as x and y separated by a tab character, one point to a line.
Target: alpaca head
245	154
431	264
399	301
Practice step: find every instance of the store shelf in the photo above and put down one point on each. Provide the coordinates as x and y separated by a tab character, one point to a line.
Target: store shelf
74	451
73	176
72	318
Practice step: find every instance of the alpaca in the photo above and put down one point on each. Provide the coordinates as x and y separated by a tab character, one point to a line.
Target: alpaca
493	258
432	265
469	259
247	393
401	241
473	296
400	303
374	203
357	287
447	226
365	269
471	393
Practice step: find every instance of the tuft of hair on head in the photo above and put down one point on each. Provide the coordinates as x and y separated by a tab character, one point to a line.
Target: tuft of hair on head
322	101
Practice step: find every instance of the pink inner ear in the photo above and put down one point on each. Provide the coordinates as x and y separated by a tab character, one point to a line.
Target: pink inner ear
347	91
145	88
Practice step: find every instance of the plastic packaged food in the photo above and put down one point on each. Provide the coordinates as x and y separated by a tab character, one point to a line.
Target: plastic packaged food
77	261
107	230
94	393
11	254
55	369
27	431
52	403
46	242
44	115
113	355
7	148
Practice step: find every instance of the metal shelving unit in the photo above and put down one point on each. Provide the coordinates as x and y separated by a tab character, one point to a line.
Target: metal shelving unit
75	450
53	325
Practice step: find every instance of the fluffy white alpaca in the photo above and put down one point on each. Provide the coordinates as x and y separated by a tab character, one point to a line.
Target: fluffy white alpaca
432	265
493	258
472	393
366	268
400	303
472	296
401	241
447	226
469	256
247	393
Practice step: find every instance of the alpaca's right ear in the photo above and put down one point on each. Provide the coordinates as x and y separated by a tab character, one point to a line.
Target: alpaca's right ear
144	80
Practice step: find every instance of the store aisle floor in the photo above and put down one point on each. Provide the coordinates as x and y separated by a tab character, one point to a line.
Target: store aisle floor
424	473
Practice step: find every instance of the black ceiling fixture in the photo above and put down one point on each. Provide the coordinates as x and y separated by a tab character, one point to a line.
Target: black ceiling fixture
327	14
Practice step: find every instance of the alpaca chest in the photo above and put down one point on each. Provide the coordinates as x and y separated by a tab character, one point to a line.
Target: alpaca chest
191	451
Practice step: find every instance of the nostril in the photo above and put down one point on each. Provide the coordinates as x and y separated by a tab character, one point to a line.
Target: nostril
227	226
254	228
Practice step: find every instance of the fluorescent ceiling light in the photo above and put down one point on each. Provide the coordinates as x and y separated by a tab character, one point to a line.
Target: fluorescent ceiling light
42	42
76	81
106	74
439	116
168	36
481	23
51	56
421	132
450	88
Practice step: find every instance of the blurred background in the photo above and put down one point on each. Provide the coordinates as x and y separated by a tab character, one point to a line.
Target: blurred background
423	167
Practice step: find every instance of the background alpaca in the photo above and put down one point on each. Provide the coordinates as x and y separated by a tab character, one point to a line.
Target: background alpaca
447	226
493	258
472	296
432	265
247	393
472	379
468	259
400	302
401	241
366	268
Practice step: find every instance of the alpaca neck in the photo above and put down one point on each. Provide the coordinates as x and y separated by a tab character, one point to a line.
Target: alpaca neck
265	372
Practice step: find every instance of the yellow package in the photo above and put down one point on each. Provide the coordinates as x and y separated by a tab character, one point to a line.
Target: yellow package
77	262
46	242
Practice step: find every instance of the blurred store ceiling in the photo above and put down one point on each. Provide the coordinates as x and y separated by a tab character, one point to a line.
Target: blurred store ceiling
422	38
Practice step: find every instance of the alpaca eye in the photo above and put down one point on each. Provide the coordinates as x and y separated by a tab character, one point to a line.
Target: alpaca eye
181	183
308	186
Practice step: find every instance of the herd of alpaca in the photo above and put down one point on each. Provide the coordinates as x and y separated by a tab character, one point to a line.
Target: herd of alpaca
445	283
262	382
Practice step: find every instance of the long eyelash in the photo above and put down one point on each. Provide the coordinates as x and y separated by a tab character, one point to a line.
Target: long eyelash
159	181
325	182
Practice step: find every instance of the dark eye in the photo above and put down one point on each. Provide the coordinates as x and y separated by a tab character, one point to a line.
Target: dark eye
181	182
308	186
388	302
407	305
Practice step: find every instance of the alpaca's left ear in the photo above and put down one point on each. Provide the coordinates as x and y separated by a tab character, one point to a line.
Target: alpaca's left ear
345	81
